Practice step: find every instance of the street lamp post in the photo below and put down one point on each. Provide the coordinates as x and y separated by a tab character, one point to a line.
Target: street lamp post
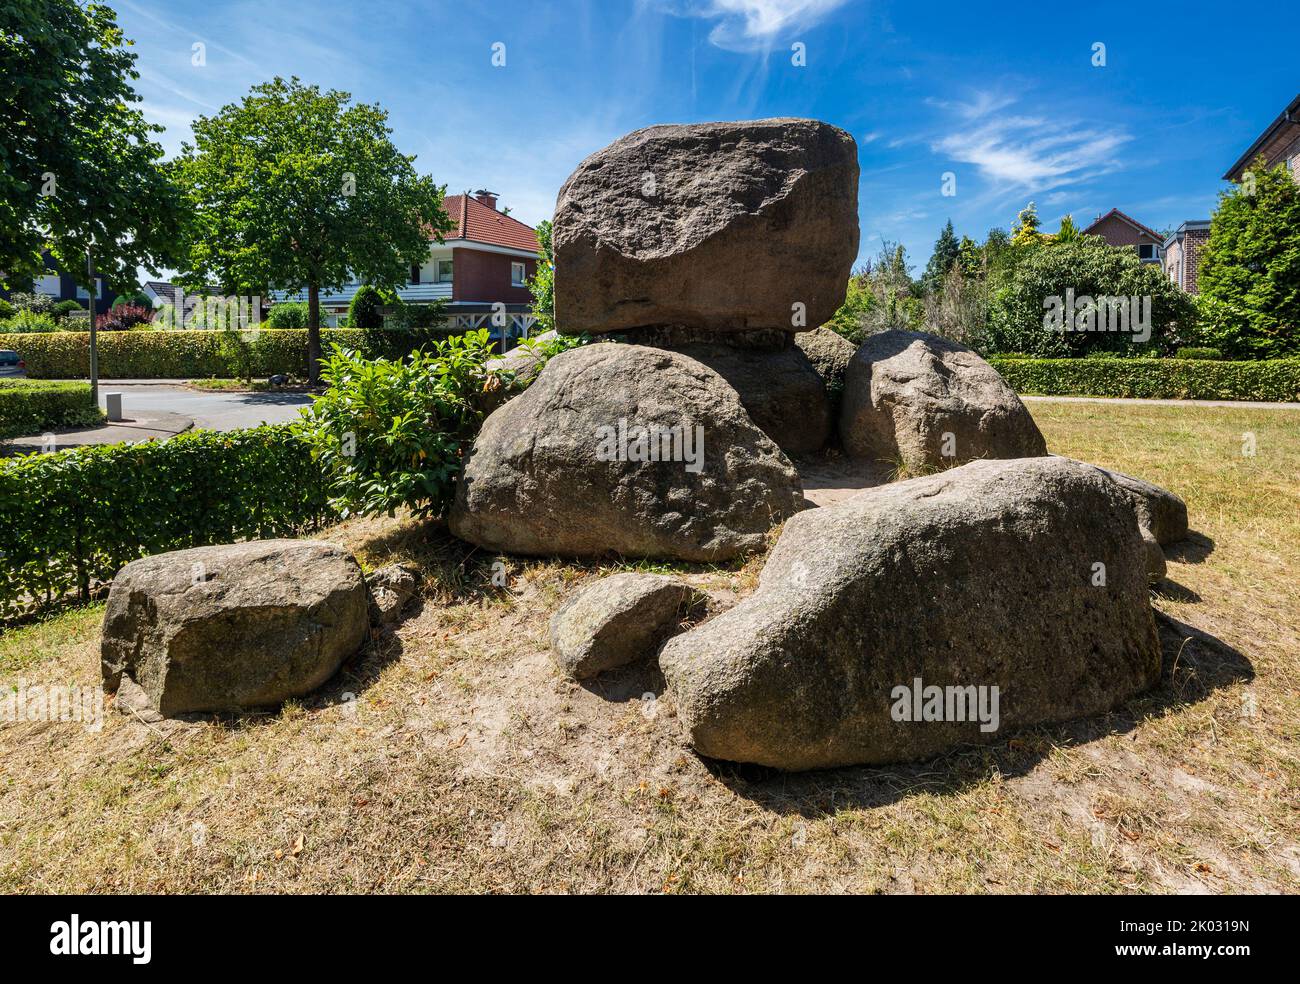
94	351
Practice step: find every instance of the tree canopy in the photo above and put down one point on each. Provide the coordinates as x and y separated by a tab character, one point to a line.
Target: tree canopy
298	189
78	165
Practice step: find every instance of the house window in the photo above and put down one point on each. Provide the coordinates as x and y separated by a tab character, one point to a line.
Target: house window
48	284
84	295
415	273
518	273
1146	251
444	271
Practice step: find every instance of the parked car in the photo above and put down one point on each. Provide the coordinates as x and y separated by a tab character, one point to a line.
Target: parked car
11	364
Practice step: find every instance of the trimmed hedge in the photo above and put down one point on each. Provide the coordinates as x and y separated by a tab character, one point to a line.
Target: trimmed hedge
32	406
1276	380
75	517
162	354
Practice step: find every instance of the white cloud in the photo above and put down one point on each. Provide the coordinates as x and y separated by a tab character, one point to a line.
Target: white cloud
1033	153
748	25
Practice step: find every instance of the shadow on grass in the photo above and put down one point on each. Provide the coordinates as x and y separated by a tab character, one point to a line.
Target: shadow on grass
1194	665
1192	549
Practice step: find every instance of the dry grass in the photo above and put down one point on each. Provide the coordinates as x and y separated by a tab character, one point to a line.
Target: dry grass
467	764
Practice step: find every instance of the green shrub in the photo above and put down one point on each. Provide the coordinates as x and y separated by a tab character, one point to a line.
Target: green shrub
287	314
365	311
65	308
36	303
1276	380
30	406
1204	354
389	433
167	354
124	317
6	310
74	517
25	322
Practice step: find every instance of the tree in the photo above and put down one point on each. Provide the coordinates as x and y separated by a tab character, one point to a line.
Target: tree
1250	267
946	252
1025	232
297	189
78	167
542	283
1068	232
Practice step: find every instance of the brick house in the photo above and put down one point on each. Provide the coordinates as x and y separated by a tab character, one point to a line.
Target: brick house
1182	253
1279	143
1119	229
485	260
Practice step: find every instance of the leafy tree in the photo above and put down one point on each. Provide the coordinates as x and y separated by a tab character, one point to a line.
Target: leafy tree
294	188
78	167
1068	232
969	258
287	314
1084	267
1250	267
851	317
542	284
366	310
1026	230
946	252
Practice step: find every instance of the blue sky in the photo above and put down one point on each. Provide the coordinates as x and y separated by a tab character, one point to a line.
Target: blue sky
1004	96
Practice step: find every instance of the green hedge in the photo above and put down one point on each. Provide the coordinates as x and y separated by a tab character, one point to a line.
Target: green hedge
1276	380
163	354
74	518
33	406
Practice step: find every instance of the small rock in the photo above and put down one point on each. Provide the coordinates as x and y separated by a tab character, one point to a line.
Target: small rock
618	620
391	588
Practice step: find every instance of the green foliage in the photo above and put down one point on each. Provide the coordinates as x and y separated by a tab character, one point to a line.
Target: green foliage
388	434
1026	230
30	406
78	165
1068	232
287	314
946	252
296	188
7	310
365	311
166	354
75	517
850	319
1250	267
542	284
1089	267
1276	380
1204	354
36	303
27	322
65	308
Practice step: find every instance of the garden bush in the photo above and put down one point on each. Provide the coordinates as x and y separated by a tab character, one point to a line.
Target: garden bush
287	314
30	406
27	322
391	433
1276	380
75	517
167	354
124	317
1205	354
65	308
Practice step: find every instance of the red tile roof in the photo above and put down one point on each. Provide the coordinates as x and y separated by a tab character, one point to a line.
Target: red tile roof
475	221
1130	220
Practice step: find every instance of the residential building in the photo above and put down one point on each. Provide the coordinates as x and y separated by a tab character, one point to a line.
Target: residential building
1279	143
60	286
484	261
1119	229
1182	253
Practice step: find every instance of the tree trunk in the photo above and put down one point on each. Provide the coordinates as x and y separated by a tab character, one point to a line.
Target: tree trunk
313	334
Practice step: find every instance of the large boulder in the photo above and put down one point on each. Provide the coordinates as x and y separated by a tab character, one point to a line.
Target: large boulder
780	388
227	628
925	402
724	226
1158	510
624	449
1026	575
830	354
618	620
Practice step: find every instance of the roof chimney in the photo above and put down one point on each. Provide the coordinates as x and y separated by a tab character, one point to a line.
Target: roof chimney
488	198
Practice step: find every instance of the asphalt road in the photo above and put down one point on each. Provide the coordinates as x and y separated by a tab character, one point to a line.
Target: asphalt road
209	411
